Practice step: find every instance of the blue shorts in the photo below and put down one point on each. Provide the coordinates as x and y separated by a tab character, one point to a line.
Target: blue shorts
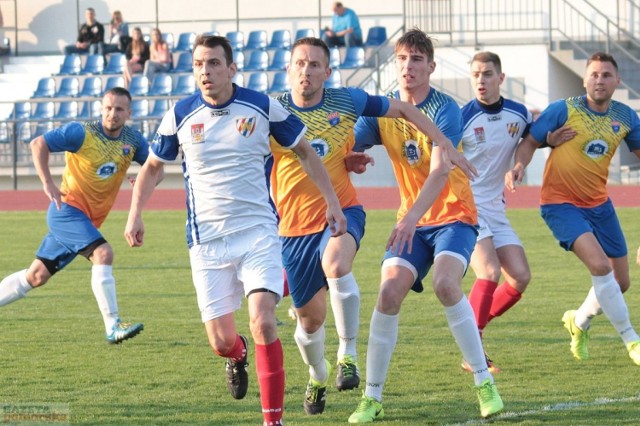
567	222
302	257
71	232
456	239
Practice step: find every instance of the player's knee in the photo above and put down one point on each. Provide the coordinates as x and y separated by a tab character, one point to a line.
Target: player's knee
222	346
102	255
38	277
263	328
447	290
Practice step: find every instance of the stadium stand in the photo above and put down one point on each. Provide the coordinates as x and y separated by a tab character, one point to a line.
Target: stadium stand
185	42
46	88
281	58
257	40
280	39
258	61
67	110
139	85
258	81
279	83
334	57
94	64
161	85
185	85
304	32
113	81
236	39
91	87
184	63
238	59
69	87
238	79
334	80
376	36
90	110
43	110
115	64
353	58
71	65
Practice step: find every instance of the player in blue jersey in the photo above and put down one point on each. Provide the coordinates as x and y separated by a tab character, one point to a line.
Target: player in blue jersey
313	261
97	156
493	127
586	132
223	133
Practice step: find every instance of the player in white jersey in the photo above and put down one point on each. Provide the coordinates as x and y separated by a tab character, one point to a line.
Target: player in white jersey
493	127
223	133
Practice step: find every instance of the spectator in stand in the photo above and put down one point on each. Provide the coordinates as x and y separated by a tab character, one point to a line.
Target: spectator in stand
90	36
137	55
119	38
345	29
161	59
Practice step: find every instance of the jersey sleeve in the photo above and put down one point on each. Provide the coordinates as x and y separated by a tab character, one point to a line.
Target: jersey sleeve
286	128
552	118
165	145
449	121
368	105
367	133
142	151
68	137
633	138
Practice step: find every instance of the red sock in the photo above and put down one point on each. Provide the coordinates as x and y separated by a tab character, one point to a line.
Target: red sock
503	299
285	293
237	352
481	298
270	369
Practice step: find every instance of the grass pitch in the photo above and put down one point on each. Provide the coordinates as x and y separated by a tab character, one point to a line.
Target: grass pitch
53	352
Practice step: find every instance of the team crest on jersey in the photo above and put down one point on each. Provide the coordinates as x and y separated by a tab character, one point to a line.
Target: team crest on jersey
513	129
197	133
333	118
107	170
126	149
615	125
596	149
479	134
246	126
322	147
412	152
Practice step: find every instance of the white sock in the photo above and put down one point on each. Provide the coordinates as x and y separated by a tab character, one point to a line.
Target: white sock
14	287
345	303
462	324
104	289
614	307
383	335
311	348
588	310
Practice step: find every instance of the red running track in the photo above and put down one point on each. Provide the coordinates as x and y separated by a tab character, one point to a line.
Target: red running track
371	198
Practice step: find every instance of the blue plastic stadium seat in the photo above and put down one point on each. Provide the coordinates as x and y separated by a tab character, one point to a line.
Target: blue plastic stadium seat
376	36
184	63
169	39
21	111
114	81
334	57
280	83
280	39
46	88
303	33
160	107
67	110
238	59
93	65
186	85
353	58
185	42
139	107
280	60
43	110
238	79
236	39
161	85
139	85
91	86
258	81
69	87
71	65
257	40
116	63
334	80
258	61
90	110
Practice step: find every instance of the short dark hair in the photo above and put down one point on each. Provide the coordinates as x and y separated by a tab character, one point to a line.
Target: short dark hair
418	40
118	91
488	57
602	57
213	41
312	41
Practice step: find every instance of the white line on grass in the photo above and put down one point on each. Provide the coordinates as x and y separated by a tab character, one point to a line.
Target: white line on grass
562	406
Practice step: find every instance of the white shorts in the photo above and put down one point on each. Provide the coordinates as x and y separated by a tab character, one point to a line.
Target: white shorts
493	222
228	268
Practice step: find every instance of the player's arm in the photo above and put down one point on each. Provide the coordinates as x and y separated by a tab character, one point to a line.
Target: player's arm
40	153
150	174
451	156
522	158
403	232
313	166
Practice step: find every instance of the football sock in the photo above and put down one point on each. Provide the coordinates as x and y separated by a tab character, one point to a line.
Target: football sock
588	310
383	335
14	287
270	372
613	305
345	303
481	298
104	289
464	330
503	299
311	348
